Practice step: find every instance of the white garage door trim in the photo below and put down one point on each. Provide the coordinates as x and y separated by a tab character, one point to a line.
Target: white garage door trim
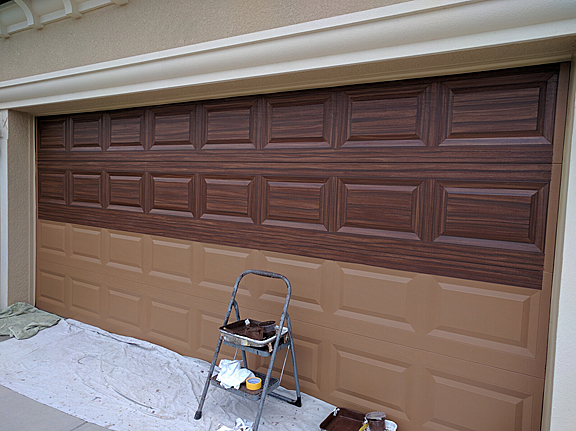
401	31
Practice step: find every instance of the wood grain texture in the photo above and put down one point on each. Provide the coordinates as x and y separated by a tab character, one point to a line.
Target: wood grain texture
300	120
389	115
397	231
86	189
491	211
51	134
296	202
86	132
127	130
230	124
172	127
381	208
125	191
514	109
172	194
447	175
227	198
52	187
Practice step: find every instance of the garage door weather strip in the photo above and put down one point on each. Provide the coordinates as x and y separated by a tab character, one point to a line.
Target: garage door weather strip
270	383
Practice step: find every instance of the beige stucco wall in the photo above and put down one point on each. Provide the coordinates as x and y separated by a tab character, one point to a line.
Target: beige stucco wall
144	26
16	209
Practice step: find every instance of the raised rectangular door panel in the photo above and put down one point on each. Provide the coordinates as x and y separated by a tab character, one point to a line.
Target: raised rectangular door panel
511	110
376	302
217	269
387	116
125	307
230	125
87	189
169	320
173	128
387	208
52	290
50	240
458	395
492	214
228	198
310	275
312	349
172	260
86	132
86	289
51	134
125	191
172	195
368	375
125	252
296	202
300	121
502	319
127	130
52	187
86	244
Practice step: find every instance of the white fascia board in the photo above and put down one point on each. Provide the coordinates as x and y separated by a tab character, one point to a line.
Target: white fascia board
416	28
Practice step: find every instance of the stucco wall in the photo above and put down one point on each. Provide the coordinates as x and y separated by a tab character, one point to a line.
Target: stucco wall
16	215
144	26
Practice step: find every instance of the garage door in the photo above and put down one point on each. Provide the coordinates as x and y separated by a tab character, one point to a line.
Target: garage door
415	219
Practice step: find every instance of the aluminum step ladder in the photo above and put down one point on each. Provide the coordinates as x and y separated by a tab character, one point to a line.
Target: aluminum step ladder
281	342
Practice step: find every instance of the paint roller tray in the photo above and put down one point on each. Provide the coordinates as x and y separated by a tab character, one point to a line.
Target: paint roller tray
233	333
342	419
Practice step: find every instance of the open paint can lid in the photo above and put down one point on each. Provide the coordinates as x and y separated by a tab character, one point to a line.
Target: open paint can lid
375	416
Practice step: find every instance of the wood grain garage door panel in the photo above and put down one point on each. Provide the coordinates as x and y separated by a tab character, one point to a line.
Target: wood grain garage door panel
448	175
387	116
52	134
501	110
86	132
52	186
301	120
296	202
487	222
172	195
127	130
86	189
173	128
390	208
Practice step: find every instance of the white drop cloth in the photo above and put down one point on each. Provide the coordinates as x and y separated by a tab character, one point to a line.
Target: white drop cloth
127	384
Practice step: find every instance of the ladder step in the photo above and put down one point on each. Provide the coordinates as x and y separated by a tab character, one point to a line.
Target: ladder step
246	393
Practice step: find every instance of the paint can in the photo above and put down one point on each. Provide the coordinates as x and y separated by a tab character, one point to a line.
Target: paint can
376	421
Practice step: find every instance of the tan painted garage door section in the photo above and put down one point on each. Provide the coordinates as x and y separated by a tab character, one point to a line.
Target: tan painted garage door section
416	221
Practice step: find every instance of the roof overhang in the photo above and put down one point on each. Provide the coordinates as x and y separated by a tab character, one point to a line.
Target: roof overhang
416	38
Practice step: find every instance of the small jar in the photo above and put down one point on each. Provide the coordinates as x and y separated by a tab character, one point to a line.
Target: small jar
376	421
